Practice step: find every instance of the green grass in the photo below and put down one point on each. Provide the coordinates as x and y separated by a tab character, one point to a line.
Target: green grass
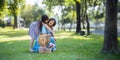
14	45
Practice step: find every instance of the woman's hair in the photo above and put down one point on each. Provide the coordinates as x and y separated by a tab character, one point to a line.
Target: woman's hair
51	20
43	19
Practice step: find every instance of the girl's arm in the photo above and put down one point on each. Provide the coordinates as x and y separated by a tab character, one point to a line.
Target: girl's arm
48	28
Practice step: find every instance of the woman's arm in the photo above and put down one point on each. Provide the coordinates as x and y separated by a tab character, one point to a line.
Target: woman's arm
48	28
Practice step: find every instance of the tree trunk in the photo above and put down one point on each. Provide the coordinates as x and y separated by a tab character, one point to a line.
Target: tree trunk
83	20
84	11
70	27
78	27
64	27
86	18
88	25
58	23
15	22
110	33
83	25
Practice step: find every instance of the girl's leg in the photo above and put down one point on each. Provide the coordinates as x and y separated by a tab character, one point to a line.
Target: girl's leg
31	45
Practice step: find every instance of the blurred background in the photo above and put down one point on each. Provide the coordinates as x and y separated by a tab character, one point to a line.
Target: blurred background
20	13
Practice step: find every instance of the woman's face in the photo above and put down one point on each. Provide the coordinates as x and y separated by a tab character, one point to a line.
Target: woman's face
51	23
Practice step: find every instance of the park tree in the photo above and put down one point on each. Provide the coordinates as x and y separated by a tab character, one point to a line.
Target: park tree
2	4
85	16
3	8
31	13
110	33
53	3
14	8
27	15
37	12
78	6
68	15
86	13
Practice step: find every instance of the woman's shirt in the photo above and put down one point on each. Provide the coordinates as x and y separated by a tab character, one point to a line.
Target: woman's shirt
44	30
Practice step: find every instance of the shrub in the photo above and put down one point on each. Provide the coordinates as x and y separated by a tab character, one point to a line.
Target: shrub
2	23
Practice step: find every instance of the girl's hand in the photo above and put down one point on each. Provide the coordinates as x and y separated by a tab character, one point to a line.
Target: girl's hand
48	28
49	34
43	23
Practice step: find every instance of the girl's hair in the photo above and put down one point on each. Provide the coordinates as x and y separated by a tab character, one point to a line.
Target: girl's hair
51	20
43	19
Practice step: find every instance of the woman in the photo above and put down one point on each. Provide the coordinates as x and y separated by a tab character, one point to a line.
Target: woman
51	24
35	29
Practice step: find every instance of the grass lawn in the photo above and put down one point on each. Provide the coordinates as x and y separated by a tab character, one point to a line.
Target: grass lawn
14	45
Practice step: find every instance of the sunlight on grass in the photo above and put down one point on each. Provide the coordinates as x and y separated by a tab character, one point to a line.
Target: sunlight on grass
8	34
81	37
11	42
6	29
70	35
63	35
26	37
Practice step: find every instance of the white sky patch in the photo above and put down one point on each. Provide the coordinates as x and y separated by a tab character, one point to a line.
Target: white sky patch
56	10
33	2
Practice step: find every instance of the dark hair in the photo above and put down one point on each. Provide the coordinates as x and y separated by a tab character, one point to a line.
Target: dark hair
51	20
43	19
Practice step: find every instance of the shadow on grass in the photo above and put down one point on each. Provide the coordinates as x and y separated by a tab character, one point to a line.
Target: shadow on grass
14	33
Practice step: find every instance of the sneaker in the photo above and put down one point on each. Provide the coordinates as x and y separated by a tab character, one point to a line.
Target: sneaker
54	49
31	50
51	45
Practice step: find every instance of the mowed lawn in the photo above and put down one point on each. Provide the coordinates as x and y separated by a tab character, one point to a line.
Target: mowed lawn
14	45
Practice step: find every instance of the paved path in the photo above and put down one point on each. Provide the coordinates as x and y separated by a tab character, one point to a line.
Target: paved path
101	32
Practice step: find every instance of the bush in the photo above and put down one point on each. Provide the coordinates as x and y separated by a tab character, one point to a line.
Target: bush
2	23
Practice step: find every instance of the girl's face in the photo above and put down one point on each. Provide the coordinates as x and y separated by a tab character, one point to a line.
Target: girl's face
46	21
51	23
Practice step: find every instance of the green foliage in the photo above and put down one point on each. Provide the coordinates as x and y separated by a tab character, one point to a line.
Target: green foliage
69	2
51	3
94	2
31	13
14	6
65	20
99	16
37	12
2	23
67	6
2	4
3	8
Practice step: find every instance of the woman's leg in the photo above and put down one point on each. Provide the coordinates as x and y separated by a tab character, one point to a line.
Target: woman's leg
52	44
